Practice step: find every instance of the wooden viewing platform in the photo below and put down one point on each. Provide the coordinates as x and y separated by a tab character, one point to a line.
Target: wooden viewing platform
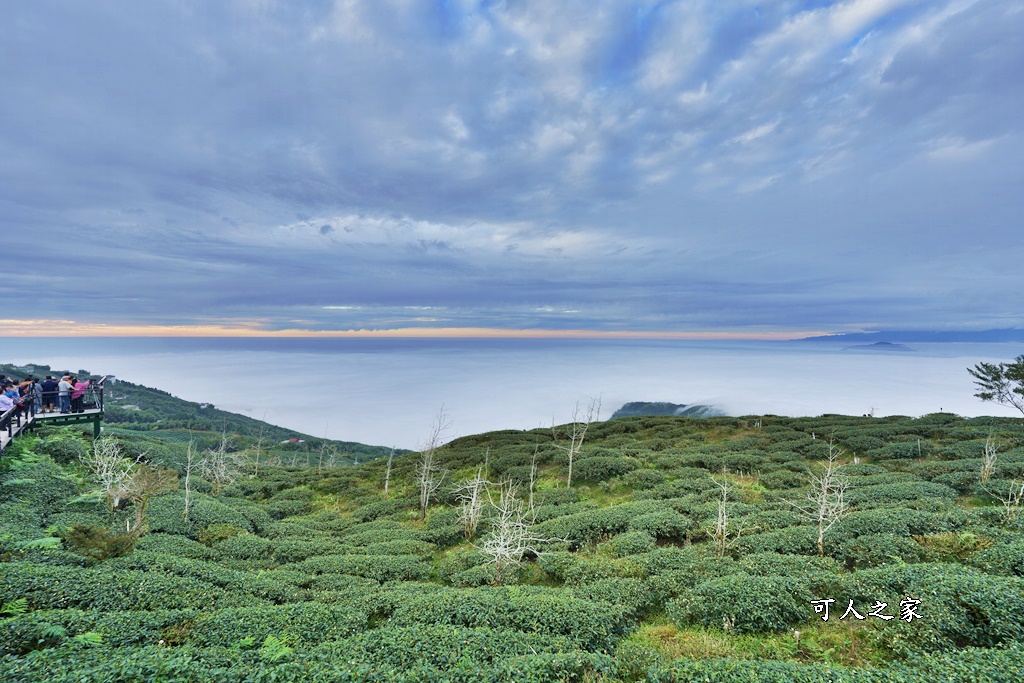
13	423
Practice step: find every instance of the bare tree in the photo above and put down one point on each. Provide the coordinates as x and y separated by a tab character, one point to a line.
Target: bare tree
429	474
988	459
111	469
259	444
577	432
1012	500
387	472
146	482
533	479
471	494
511	537
121	478
220	466
722	531
825	504
192	465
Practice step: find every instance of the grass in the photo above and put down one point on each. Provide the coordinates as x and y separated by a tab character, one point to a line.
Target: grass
837	642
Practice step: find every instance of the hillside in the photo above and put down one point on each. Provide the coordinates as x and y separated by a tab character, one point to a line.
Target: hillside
638	572
134	408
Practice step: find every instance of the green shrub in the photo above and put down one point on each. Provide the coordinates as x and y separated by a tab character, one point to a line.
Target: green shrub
170	544
602	468
632	543
105	590
307	623
24	633
1003	558
215	533
592	624
746	604
245	547
42	487
381	568
875	550
644	479
959	606
664	524
63	449
252	583
99	543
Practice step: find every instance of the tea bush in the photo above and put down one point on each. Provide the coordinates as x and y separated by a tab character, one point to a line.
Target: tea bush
746	604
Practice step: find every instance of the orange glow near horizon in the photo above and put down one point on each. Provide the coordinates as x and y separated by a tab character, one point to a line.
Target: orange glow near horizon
71	328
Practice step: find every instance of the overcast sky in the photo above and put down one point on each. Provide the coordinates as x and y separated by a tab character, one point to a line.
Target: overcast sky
623	165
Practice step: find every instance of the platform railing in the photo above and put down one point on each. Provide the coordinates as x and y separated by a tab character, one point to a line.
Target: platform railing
23	410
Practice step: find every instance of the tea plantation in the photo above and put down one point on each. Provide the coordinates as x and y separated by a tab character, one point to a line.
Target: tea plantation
638	572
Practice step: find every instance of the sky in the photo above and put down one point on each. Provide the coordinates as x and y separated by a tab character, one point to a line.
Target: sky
520	167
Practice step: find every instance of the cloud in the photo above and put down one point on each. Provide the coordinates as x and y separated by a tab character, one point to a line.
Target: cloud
608	165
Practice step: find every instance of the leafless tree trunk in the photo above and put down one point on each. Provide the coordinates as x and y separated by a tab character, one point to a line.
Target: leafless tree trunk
825	504
145	483
578	432
192	464
220	466
470	495
259	444
429	474
511	537
387	472
111	469
988	460
722	531
1011	500
533	480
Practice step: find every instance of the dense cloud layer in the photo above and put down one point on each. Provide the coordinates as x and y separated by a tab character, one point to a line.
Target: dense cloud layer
523	164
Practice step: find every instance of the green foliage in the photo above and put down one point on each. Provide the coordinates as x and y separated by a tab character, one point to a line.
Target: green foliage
215	533
745	604
309	575
633	543
100	543
592	625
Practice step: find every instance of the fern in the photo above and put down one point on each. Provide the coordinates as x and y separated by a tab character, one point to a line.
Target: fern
49	542
52	633
89	639
274	649
14	608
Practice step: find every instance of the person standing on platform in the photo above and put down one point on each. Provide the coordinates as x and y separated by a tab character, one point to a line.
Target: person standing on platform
64	388
49	394
78	395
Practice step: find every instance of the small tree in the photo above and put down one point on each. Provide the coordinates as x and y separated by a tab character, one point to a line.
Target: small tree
220	466
192	466
146	482
111	469
826	503
259	445
511	537
1012	500
124	479
470	495
577	432
429	474
1002	383
387	472
722	531
988	459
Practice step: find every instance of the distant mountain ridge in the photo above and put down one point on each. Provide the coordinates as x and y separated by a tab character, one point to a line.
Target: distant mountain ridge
135	408
663	408
925	336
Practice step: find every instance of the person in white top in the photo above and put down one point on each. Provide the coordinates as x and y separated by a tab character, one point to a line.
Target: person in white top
64	393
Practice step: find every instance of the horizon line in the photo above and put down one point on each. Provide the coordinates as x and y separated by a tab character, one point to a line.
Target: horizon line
71	328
